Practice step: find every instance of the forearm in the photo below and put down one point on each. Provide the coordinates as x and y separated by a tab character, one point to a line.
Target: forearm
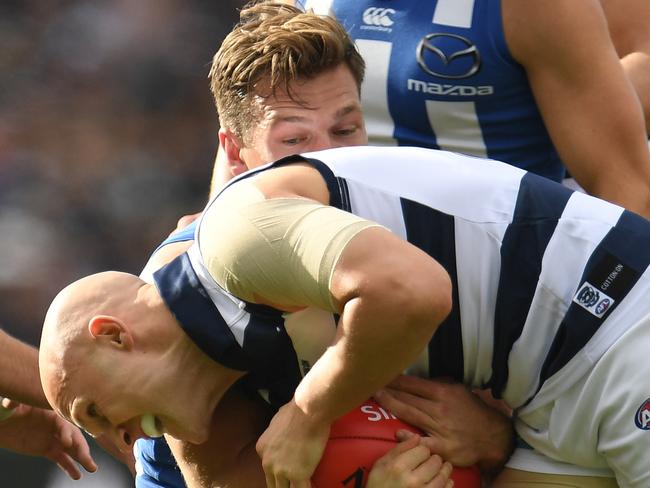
575	79
19	376
604	145
392	297
358	364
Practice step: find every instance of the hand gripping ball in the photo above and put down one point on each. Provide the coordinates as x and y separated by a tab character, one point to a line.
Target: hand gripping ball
361	437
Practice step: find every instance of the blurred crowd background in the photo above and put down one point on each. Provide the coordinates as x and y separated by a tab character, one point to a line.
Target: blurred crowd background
107	136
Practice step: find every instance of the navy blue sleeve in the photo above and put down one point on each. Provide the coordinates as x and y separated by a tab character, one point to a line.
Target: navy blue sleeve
155	465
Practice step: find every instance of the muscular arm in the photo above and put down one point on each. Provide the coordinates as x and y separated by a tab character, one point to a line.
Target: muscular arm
588	104
19	377
629	27
386	291
379	284
293	251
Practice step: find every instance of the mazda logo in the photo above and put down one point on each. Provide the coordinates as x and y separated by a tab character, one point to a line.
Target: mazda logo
448	56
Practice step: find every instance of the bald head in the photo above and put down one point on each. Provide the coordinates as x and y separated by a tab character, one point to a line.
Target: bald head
75	318
112	354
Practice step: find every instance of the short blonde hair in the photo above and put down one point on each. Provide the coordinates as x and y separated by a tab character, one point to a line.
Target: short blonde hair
276	44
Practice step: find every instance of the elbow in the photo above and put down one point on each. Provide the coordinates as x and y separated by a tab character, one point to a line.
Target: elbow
427	298
437	305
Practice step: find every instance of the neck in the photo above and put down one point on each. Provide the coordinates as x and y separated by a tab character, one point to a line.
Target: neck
204	380
181	365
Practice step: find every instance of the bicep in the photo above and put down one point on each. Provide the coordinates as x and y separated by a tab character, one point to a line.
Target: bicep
389	272
278	252
574	73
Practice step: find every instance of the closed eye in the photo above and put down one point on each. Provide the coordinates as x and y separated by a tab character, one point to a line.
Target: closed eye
91	411
293	141
346	132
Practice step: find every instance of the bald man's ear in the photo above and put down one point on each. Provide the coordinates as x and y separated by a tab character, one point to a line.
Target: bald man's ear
232	149
105	327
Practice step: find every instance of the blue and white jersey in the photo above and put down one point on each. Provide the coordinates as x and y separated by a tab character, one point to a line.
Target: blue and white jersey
545	279
440	75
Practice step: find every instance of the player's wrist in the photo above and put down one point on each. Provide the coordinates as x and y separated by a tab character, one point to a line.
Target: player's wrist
309	402
309	419
497	453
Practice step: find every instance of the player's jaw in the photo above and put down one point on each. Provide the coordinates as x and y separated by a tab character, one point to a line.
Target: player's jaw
124	425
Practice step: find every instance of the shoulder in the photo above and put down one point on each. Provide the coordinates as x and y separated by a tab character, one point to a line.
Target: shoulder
545	29
299	180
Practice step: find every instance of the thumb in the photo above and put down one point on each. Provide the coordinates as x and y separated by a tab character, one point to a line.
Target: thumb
403	435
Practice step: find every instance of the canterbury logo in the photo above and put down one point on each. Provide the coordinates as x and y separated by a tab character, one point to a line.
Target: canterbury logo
378	16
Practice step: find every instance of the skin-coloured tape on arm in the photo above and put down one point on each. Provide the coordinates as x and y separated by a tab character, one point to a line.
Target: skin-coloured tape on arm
282	249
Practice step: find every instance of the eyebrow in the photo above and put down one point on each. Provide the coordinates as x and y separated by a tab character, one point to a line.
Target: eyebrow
348	109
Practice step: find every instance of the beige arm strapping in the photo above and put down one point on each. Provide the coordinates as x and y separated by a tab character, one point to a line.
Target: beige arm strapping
282	250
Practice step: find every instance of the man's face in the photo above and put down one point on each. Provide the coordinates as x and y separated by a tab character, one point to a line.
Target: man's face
330	116
108	397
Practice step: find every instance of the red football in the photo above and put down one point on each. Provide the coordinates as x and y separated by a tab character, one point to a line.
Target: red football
361	437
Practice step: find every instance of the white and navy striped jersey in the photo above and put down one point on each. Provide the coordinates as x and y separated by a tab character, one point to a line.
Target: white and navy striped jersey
545	279
440	75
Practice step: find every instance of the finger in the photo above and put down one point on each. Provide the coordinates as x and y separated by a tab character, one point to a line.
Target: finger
426	388
408	442
400	449
429	468
281	482
81	452
64	433
75	445
434	443
67	464
301	484
441	479
423	403
413	458
404	435
270	480
409	408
